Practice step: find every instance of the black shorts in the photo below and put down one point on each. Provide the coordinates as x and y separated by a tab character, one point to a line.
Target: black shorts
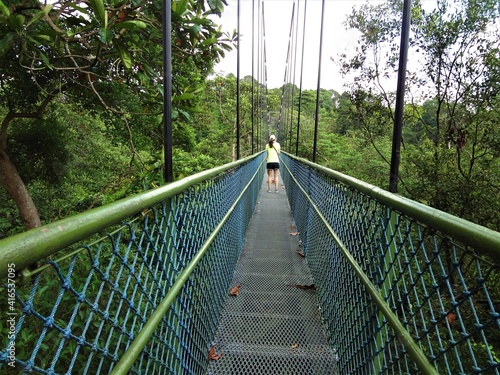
273	165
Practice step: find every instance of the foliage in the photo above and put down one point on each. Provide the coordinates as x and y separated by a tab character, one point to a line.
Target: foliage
92	53
451	130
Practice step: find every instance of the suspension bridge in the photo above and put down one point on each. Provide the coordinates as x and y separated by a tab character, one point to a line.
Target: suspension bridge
213	275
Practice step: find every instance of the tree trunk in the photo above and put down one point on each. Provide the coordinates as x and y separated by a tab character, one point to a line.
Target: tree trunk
15	187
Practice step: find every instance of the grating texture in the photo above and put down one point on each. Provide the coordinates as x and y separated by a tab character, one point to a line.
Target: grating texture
273	326
442	291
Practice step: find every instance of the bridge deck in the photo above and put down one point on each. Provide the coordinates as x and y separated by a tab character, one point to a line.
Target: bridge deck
273	326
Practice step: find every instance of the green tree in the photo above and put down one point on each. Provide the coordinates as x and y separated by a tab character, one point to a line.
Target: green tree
67	52
453	70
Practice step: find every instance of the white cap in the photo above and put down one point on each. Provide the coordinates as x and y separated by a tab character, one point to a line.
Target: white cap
272	138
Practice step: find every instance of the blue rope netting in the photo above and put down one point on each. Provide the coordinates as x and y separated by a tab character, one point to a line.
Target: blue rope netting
439	289
79	315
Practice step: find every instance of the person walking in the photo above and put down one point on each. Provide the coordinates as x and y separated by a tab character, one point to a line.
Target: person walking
273	163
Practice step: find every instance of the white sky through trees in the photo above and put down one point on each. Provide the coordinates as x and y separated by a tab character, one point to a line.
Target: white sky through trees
277	14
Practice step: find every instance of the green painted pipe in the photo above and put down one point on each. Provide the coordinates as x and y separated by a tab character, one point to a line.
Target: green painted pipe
134	350
36	244
476	236
412	348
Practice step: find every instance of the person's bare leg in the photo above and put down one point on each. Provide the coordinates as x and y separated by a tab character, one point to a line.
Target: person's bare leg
269	178
276	182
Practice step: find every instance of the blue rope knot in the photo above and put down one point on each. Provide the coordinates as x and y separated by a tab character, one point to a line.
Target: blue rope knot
81	297
81	342
27	309
67	333
28	366
49	322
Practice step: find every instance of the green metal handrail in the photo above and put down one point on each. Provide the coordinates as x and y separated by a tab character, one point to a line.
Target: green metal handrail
130	356
476	236
136	285
422	268
414	351
25	249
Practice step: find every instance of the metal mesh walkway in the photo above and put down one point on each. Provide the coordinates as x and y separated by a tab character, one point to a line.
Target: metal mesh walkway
273	325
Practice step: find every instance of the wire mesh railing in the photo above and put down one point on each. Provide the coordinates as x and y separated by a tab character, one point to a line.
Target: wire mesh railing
402	288
132	287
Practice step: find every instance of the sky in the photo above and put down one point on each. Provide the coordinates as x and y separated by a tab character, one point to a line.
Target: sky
277	14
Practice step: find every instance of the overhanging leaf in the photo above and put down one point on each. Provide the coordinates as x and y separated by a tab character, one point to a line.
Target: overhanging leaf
208	41
105	35
124	54
4	8
6	42
78	8
40	14
186	115
16	21
180	6
184	96
130	25
46	60
100	12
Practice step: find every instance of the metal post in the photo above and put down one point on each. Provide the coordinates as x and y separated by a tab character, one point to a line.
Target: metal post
398	112
238	88
253	80
167	91
319	82
301	76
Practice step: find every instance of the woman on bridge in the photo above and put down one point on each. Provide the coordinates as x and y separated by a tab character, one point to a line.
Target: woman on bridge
273	163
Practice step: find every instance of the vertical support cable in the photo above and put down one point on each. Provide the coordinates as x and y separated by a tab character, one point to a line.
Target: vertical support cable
253	88
259	58
238	87
167	91
319	82
294	72
264	68
398	112
284	92
301	75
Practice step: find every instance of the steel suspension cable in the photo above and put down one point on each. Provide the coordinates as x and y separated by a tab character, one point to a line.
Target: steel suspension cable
286	71
264	61
288	85
294	74
301	77
319	82
253	80
238	84
168	174
259	56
